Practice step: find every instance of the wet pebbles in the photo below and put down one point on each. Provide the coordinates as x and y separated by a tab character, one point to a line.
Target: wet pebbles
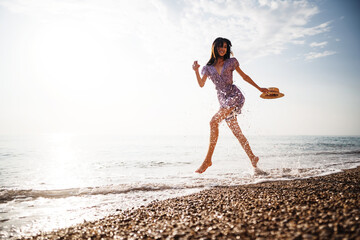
326	207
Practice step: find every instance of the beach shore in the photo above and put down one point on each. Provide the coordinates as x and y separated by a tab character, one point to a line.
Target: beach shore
326	207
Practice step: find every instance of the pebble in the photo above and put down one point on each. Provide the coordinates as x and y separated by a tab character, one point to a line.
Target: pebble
326	207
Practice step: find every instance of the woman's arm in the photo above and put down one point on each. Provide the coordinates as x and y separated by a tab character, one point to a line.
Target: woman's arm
249	80
201	80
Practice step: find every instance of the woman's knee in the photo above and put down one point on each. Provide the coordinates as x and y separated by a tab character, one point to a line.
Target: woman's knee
214	123
235	129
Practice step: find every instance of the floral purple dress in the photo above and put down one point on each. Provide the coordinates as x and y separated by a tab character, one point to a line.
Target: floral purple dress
228	94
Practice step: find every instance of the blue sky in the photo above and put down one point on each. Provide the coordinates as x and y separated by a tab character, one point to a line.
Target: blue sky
112	67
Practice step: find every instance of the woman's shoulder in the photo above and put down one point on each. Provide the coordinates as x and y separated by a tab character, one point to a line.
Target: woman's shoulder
234	62
206	67
205	70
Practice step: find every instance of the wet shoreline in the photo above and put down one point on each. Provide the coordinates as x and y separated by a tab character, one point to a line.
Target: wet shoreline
325	207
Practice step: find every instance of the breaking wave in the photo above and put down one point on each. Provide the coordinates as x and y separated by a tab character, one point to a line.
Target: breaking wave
7	195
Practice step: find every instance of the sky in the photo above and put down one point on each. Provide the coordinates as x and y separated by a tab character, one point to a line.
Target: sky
125	67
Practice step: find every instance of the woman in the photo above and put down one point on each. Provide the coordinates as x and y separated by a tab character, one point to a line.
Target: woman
220	69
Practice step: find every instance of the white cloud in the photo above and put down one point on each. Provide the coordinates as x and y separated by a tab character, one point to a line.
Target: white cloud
255	28
318	44
314	55
299	42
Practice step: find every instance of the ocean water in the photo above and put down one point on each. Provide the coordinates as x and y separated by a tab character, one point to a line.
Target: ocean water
49	182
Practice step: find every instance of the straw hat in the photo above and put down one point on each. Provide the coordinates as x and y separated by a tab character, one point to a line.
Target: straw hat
272	93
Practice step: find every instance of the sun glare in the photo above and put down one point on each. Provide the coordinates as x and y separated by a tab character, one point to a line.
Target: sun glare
61	172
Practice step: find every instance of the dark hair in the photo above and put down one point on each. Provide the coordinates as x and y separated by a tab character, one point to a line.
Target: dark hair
219	42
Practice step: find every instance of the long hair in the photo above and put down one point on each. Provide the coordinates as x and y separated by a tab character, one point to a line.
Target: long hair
219	42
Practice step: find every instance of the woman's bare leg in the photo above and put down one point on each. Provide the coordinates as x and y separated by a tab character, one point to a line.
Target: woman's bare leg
235	128
214	134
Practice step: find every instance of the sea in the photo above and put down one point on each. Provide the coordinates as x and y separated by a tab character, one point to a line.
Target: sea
55	181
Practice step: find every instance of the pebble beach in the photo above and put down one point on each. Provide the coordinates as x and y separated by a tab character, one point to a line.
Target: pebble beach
325	207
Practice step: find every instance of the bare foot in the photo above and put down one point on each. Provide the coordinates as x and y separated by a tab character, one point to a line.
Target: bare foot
204	166
258	171
254	161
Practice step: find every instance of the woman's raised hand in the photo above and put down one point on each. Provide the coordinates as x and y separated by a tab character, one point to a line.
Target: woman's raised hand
195	66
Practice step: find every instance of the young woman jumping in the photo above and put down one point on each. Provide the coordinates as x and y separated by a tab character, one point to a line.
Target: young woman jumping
220	69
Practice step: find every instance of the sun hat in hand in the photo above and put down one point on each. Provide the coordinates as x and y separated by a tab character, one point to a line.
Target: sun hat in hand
272	93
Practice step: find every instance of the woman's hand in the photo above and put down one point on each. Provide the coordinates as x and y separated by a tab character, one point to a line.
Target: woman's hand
201	80
195	66
264	90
